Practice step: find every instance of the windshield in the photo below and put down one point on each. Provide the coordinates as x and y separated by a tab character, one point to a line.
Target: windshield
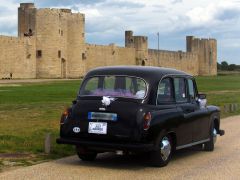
117	86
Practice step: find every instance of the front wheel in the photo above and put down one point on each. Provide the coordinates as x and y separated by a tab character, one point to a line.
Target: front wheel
209	146
162	155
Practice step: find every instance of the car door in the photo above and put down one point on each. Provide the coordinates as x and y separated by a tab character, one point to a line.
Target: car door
184	130
200	115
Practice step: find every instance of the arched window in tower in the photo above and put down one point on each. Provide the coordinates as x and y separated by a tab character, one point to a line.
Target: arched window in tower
30	33
39	53
210	57
84	56
59	54
63	68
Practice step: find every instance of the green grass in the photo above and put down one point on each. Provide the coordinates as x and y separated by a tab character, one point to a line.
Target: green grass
221	90
30	110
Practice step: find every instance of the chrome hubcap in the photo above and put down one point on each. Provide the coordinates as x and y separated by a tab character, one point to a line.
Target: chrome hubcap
214	135
165	148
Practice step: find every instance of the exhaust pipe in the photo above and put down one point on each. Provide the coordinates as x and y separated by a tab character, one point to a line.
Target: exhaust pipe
221	132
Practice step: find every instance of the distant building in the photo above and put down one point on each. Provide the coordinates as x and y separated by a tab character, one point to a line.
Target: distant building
51	44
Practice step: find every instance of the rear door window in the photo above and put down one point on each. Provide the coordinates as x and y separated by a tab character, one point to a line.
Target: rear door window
180	90
165	92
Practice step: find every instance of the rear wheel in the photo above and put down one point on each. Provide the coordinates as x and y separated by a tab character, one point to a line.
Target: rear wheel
209	146
162	155
86	155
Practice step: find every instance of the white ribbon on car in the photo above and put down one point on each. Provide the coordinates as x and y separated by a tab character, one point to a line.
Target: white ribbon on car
106	100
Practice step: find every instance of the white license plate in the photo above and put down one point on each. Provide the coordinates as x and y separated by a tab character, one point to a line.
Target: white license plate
97	127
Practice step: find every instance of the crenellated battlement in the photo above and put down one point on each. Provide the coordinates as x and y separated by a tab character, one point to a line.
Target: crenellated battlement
112	45
16	40
57	11
173	54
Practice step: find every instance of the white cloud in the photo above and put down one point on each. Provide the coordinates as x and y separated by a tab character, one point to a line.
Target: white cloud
92	13
106	20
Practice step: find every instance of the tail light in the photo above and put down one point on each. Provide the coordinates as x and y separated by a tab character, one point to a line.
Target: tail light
146	120
64	116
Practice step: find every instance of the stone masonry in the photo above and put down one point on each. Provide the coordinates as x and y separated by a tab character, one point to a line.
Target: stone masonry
51	44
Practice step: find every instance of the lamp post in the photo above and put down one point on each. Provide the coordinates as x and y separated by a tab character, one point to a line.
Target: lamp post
158	48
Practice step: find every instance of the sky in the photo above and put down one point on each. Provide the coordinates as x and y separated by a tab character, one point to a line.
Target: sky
107	20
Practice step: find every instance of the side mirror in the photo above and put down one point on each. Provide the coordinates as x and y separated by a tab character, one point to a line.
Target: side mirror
202	96
202	100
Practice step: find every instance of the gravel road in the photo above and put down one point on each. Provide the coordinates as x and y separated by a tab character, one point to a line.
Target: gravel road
223	163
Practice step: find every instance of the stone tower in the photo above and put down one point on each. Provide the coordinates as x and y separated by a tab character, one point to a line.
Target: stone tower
26	18
60	41
207	54
76	44
140	43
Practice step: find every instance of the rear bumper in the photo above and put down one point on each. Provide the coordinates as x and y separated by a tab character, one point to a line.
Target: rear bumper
107	145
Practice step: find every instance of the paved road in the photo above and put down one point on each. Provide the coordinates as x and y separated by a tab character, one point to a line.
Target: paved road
223	163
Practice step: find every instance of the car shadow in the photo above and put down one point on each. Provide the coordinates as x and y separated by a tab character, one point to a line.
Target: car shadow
128	162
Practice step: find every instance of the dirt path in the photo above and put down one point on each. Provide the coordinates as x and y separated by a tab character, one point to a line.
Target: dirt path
223	163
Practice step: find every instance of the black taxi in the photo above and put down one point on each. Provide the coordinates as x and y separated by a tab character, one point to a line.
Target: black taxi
152	110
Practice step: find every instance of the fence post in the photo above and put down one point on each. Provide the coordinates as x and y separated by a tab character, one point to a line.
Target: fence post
226	108
47	144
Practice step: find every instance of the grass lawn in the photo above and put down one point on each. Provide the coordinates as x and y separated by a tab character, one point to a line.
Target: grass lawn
30	110
221	90
27	112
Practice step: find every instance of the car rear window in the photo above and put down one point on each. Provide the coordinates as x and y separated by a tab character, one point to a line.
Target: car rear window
116	86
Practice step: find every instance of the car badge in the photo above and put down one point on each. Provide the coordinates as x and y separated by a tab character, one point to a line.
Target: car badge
106	100
76	129
102	109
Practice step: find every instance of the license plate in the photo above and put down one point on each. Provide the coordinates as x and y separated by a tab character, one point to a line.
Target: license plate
102	116
97	127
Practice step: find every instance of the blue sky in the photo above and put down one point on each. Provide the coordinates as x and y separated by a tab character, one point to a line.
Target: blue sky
106	21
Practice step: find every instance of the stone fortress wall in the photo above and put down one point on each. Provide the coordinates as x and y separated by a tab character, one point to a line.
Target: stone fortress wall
17	57
184	61
98	55
51	44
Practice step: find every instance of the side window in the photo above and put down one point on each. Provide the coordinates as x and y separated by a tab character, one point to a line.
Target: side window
191	89
91	85
165	91
180	90
109	82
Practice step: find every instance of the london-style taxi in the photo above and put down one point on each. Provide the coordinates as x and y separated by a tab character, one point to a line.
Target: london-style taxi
150	110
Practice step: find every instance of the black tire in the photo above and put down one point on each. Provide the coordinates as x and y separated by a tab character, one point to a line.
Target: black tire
157	158
86	155
209	146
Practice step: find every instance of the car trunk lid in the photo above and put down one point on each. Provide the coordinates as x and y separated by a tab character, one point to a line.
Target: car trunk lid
118	120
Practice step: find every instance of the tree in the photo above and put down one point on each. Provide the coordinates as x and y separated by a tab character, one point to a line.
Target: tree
219	66
232	67
224	66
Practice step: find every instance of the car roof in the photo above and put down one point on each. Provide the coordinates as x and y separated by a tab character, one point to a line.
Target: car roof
145	72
